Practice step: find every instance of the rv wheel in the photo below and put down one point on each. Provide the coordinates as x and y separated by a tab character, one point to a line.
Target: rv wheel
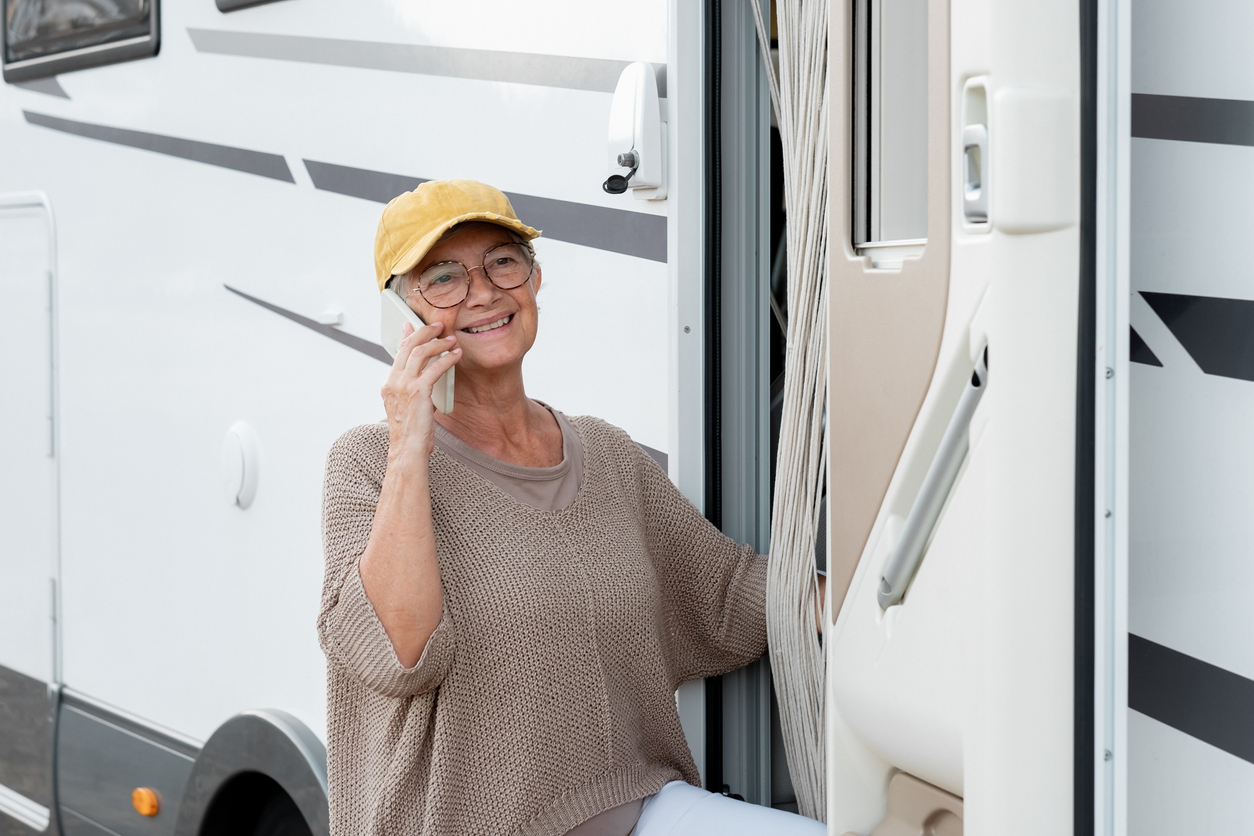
280	817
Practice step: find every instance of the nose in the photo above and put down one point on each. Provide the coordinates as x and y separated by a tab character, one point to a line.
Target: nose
481	290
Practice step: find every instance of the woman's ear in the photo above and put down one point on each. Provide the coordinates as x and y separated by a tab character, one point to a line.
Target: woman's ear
538	276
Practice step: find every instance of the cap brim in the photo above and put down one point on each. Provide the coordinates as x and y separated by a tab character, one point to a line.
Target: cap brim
423	245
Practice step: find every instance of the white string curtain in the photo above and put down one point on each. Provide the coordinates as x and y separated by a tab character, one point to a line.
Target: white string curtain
799	94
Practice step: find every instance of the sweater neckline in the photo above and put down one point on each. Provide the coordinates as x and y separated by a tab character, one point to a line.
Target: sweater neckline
516	471
492	486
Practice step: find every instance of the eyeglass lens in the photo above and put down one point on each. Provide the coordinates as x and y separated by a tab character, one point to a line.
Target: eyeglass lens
445	285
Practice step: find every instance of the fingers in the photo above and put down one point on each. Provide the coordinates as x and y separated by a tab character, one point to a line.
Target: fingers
437	367
411	338
423	354
421	359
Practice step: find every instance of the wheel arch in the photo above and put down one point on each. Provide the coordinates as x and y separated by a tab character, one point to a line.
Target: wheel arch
268	742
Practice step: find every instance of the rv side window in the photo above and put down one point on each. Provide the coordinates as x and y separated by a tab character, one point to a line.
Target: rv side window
890	125
44	37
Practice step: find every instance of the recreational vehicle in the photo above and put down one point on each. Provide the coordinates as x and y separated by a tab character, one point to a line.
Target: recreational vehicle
1032	220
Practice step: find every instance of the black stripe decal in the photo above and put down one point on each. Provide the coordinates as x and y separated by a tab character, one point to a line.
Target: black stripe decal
1217	333
357	343
1209	703
1139	352
613	230
1193	119
272	166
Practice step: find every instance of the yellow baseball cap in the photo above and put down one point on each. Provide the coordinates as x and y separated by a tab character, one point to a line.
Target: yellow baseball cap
414	221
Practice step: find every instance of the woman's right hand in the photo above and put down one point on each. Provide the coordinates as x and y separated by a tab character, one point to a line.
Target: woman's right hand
407	390
399	570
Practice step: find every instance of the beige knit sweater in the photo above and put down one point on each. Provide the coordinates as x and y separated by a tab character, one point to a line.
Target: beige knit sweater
547	693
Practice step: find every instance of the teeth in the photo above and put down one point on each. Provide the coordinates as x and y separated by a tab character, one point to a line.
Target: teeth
489	326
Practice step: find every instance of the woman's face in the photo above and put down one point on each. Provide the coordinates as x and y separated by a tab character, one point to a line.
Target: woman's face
485	303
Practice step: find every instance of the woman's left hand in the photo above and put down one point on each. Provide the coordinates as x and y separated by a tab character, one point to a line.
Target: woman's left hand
818	616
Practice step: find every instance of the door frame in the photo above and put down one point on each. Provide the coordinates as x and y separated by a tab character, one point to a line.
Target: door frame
1102	759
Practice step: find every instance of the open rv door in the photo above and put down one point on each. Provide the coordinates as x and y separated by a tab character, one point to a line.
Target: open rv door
956	258
1046	626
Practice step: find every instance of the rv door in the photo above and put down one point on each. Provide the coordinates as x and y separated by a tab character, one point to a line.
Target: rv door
28	502
955	248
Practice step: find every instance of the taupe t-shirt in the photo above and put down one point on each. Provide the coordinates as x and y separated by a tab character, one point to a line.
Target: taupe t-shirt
548	489
545	488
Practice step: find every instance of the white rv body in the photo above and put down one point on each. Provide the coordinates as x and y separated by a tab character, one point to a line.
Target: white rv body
165	588
1190	726
179	208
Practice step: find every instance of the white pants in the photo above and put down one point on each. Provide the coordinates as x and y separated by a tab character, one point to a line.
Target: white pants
680	809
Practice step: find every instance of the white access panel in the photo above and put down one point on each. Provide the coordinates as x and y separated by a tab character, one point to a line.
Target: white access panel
27	465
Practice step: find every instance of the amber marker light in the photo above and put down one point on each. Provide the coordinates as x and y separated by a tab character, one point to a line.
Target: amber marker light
146	801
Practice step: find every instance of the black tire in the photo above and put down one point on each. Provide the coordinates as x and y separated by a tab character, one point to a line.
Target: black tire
281	817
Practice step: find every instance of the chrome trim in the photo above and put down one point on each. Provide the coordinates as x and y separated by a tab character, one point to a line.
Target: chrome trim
30	813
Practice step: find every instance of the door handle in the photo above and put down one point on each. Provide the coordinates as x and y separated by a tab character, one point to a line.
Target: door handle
908	553
975	173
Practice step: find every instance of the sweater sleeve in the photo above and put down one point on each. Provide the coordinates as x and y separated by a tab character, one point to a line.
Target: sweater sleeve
349	630
713	589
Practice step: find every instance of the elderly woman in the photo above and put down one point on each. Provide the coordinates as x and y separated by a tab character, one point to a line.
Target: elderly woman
512	596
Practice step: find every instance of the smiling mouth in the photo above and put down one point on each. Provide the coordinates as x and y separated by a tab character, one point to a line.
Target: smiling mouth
491	326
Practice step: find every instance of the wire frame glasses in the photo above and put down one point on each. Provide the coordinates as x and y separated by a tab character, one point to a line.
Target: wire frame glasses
446	284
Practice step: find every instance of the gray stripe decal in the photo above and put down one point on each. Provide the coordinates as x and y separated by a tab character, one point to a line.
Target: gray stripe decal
1191	119
357	343
359	182
224	156
596	74
48	85
614	230
1209	703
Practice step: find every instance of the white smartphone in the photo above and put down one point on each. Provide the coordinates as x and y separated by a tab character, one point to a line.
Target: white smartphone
395	313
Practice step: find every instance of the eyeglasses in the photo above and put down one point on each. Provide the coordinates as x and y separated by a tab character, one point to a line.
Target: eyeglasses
446	284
